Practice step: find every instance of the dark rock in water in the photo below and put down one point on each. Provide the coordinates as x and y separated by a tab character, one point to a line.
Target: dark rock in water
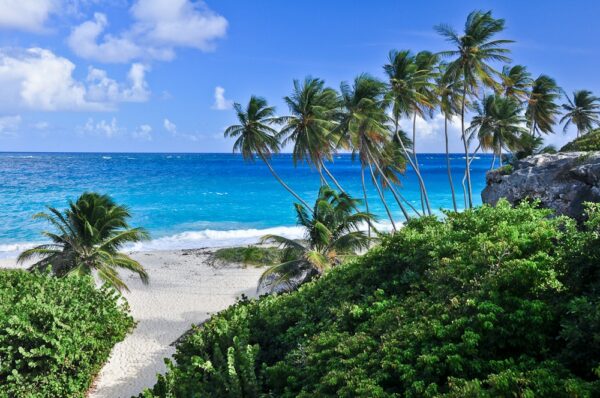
561	181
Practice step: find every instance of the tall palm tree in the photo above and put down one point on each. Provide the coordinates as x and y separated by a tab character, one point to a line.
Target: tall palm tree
87	239
447	91
313	110
363	129
255	136
403	79
583	111
498	124
475	49
332	231
516	82
542	109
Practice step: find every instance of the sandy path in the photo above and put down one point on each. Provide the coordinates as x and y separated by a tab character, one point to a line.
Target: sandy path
183	290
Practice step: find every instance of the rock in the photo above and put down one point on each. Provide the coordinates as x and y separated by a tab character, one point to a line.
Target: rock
561	181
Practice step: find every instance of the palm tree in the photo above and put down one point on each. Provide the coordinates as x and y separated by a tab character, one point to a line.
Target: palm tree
404	79
87	238
255	136
498	124
363	129
583	111
449	103
332	231
313	109
475	49
516	82
542	108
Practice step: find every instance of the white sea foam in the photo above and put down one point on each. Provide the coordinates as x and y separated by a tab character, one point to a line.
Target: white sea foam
12	250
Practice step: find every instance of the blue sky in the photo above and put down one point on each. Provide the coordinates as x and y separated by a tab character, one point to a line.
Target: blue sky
160	75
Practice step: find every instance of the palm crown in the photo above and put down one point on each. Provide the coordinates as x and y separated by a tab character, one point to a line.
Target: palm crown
87	238
583	111
542	109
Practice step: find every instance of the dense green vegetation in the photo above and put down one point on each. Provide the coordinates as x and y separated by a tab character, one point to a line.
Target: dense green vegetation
588	142
55	333
249	255
492	302
87	237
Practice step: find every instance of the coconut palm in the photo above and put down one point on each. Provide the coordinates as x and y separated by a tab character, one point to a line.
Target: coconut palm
498	124
407	94
583	111
87	239
447	91
363	128
475	50
542	109
313	109
255	137
331	232
516	82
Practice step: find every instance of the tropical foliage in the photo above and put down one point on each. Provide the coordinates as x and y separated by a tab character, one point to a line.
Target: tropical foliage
87	239
491	302
588	142
583	111
332	231
55	333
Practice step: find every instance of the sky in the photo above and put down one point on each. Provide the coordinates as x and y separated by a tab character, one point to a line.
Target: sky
162	75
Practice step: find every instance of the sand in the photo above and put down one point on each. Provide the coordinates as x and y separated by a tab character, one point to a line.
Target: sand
184	289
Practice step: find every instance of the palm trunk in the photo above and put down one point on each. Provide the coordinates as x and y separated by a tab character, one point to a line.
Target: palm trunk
387	209
415	168
389	183
466	145
322	177
337	184
493	161
290	190
414	134
448	164
362	177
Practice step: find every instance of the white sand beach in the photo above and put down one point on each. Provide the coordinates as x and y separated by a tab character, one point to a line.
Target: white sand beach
184	289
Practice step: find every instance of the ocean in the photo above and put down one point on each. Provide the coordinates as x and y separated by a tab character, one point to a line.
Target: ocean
197	200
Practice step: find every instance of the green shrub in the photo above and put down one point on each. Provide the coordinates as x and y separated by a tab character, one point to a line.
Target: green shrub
55	333
587	142
506	169
492	302
249	255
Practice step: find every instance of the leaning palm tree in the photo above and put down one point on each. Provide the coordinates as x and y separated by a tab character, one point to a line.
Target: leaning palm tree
516	82
255	136
313	109
542	109
87	239
498	124
332	231
475	49
583	111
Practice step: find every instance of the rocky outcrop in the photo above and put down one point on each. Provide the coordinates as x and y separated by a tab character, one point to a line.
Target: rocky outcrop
561	181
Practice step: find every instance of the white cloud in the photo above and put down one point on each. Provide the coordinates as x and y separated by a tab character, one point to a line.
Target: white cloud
143	132
159	27
41	125
9	124
107	129
28	15
38	79
172	128
221	103
430	133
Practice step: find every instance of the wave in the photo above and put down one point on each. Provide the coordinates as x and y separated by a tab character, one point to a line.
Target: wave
106	157
12	250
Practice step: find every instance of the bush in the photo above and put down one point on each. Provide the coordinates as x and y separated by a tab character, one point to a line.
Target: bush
55	333
249	255
587	142
492	302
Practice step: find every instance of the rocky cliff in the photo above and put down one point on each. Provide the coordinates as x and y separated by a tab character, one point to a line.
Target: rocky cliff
562	182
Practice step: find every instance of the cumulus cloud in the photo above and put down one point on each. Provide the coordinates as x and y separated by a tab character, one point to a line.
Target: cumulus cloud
143	132
158	28
9	124
172	128
221	103
430	133
26	15
39	79
103	128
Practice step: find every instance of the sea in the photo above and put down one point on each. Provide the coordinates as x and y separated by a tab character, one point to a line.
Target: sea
200	199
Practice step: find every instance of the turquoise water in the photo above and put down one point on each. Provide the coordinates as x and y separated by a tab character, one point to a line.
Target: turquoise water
194	200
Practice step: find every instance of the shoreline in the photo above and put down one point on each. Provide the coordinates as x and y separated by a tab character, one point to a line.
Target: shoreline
184	289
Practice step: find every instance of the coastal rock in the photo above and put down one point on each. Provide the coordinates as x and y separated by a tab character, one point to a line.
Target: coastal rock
561	181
